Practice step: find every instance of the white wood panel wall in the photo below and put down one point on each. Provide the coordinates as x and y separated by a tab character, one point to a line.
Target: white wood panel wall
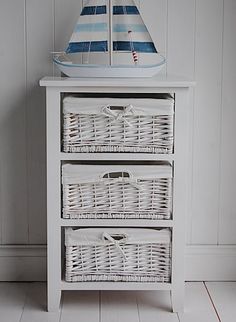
207	111
13	146
227	180
198	39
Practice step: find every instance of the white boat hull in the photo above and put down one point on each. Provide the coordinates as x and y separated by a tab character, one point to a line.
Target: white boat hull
80	70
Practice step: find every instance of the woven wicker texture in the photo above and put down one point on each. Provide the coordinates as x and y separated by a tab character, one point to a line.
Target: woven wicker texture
144	199
106	130
135	263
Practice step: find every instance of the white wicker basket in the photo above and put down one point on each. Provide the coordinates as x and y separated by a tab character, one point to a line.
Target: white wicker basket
118	254
118	125
117	191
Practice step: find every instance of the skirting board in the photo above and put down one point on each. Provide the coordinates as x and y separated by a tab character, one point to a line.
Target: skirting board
202	262
23	263
210	263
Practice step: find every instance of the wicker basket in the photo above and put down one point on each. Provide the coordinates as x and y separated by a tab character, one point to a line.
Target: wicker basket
117	191
118	125
118	254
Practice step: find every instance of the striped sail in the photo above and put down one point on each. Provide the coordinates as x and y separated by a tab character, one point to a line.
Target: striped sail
91	31
129	32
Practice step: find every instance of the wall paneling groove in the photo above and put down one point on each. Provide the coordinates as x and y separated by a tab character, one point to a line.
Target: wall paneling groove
198	39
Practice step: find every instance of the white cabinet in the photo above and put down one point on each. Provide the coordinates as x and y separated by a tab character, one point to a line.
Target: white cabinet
60	214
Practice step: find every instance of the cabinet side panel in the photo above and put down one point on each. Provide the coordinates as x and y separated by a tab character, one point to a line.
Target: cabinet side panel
180	181
53	199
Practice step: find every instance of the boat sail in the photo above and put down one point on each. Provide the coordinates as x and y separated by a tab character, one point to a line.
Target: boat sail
110	39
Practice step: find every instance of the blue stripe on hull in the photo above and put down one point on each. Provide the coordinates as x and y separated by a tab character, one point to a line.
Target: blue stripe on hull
87	46
140	47
125	10
93	10
91	27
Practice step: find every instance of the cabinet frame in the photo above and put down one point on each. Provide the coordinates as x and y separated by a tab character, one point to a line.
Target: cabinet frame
54	88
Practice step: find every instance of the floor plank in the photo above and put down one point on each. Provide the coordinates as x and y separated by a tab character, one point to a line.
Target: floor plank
35	305
223	295
80	306
198	305
26	302
12	300
155	306
119	306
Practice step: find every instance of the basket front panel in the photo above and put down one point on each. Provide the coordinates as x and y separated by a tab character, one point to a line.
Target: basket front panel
94	131
145	262
145	196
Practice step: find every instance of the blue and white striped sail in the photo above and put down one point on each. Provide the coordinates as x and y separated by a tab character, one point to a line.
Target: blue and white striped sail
91	31
129	30
129	33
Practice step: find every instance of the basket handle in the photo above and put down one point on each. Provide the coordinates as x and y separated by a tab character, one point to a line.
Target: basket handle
117	174
115	239
118	113
116	108
112	177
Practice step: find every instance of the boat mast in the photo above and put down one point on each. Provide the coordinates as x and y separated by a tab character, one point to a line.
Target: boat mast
110	27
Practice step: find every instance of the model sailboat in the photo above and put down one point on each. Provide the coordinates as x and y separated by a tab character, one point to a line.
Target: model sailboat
110	40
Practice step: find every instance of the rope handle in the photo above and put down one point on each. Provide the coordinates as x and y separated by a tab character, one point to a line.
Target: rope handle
118	113
117	174
113	177
106	180
115	239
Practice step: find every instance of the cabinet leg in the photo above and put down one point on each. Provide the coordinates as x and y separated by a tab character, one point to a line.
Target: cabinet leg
54	299
177	299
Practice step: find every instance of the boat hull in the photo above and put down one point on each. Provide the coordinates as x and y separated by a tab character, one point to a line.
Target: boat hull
76	70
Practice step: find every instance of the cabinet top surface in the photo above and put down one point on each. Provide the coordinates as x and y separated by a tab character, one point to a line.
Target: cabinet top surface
157	81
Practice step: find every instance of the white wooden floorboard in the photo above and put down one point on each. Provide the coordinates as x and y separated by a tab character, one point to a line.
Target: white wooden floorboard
26	302
223	295
80	306
12	300
155	306
35	305
198	306
119	307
